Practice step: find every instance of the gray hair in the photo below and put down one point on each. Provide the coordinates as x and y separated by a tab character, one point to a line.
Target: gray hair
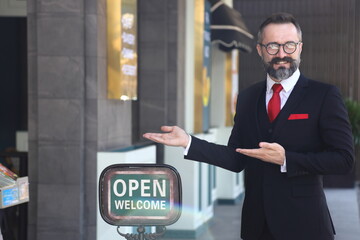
279	18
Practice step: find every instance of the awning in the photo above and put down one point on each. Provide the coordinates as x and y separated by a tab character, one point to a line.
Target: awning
228	28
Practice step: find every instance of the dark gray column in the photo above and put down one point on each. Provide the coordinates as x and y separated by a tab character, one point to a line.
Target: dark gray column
161	63
70	118
56	119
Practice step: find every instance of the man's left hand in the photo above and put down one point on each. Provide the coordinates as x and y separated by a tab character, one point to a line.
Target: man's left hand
268	152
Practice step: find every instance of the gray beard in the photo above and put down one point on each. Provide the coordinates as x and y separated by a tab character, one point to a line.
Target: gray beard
282	72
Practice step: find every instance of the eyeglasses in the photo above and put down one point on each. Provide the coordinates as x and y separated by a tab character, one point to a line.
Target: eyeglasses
273	47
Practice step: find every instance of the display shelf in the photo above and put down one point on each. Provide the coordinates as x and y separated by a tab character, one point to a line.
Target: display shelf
15	194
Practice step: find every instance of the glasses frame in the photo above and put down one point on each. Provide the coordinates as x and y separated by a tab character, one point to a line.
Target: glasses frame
279	45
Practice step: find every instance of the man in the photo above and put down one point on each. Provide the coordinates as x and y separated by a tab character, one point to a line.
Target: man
288	132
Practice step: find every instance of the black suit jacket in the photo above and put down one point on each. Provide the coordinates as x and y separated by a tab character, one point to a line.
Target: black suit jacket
318	142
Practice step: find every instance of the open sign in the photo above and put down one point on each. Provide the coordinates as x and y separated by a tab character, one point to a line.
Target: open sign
133	195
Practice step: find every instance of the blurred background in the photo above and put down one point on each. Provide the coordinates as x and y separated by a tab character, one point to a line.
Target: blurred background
84	79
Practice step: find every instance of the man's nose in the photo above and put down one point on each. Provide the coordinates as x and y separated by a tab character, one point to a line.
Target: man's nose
281	53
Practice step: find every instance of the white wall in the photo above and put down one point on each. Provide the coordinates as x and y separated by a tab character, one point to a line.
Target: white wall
189	66
218	103
13	8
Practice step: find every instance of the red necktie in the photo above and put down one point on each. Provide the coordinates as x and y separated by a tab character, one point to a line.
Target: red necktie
274	103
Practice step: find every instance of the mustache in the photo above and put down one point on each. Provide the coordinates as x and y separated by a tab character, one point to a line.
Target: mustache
284	59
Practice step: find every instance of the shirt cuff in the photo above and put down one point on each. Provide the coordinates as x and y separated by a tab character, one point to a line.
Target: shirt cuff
283	168
188	146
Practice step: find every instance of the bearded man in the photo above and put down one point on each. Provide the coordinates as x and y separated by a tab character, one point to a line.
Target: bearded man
288	132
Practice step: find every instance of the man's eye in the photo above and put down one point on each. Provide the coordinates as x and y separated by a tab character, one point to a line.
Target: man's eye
273	46
290	45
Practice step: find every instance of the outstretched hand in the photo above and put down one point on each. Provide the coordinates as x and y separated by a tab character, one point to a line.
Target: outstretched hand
173	136
268	152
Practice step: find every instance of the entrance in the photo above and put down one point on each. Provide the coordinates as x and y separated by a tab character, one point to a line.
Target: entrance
14	115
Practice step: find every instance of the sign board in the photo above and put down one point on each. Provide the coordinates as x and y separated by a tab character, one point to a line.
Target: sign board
146	194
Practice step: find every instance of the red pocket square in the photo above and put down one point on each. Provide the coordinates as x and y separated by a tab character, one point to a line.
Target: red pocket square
298	116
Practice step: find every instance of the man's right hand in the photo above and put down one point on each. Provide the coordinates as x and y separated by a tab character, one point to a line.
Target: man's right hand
173	136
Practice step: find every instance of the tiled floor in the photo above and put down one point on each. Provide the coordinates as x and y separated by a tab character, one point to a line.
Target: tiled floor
343	204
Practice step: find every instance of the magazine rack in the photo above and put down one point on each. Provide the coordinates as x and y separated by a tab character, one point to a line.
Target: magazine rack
15	194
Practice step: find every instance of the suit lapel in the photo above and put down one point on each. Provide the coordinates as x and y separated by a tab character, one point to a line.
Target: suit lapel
293	101
259	97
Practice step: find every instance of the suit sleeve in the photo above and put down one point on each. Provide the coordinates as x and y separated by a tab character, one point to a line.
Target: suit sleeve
219	155
337	156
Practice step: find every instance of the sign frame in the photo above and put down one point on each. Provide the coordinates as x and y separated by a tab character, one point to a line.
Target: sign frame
105	196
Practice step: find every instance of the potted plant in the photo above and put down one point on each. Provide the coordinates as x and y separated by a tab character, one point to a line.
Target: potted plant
348	181
353	108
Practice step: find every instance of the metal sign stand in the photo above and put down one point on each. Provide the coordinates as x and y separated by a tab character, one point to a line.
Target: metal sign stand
142	235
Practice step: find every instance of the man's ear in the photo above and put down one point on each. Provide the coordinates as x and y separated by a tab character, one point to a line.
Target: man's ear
300	47
258	48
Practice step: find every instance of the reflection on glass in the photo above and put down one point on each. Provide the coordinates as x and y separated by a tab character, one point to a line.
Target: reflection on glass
122	49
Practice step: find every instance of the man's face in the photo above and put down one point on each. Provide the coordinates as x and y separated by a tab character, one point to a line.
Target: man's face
281	65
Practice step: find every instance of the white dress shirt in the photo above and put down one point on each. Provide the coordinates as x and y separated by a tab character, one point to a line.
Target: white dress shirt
288	85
